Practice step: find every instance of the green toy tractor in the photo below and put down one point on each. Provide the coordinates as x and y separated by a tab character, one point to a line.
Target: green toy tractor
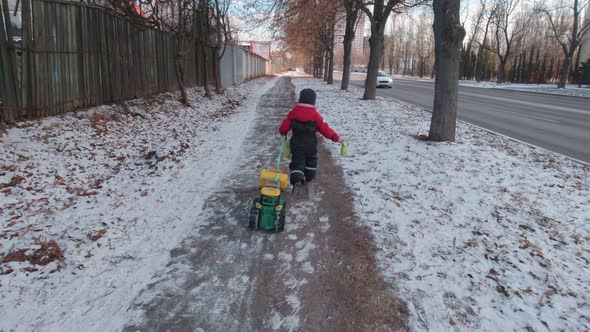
268	211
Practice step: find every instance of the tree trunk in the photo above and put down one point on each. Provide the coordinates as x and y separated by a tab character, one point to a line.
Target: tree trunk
376	46
347	63
204	41
432	73
348	38
217	65
478	64
321	64
218	47
564	72
331	66
327	65
501	71
449	35
180	79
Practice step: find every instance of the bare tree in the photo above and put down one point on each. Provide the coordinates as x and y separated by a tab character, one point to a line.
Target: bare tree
378	18
506	31
489	12
325	12
449	34
352	9
203	34
568	28
223	34
475	28
424	42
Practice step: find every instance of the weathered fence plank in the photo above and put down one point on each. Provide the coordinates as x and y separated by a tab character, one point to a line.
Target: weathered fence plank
8	84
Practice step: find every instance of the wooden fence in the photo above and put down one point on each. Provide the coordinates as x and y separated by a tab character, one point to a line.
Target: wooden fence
76	55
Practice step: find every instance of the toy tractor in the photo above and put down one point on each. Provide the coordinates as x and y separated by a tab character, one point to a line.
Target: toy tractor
268	211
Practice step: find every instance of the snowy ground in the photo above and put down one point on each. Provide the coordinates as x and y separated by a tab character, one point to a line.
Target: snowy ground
92	202
482	234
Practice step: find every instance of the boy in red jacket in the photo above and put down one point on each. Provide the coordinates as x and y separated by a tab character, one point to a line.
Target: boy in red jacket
305	120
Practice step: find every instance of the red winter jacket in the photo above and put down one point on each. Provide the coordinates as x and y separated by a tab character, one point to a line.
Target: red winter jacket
308	113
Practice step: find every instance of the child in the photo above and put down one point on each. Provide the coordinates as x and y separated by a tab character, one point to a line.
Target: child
304	120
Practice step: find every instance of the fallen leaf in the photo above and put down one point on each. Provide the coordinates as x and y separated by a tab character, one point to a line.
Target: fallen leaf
97	235
501	289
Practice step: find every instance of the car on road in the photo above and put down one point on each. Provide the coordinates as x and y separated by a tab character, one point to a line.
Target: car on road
383	79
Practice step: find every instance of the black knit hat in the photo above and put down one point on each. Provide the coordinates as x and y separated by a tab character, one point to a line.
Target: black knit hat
307	96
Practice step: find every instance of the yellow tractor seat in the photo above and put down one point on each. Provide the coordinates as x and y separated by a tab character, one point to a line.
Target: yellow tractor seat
270	192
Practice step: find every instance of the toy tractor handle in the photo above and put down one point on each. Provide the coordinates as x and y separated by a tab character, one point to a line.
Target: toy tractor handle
283	140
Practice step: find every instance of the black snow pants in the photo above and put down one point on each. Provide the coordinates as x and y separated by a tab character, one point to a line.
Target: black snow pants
304	152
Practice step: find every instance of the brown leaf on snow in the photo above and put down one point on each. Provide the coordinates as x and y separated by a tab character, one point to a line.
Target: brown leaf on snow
97	235
15	256
16	180
97	184
59	181
501	289
150	155
144	193
49	252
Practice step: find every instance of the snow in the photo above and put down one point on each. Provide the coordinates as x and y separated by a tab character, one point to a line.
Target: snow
482	234
570	90
103	196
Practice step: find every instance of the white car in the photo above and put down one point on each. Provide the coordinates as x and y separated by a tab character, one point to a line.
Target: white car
384	80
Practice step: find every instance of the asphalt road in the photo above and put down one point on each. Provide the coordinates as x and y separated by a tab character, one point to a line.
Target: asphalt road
557	123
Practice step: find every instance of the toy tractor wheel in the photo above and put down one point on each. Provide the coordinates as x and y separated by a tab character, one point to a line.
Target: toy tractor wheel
280	222
254	214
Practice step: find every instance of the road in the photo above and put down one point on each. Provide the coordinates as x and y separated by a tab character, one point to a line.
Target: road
557	123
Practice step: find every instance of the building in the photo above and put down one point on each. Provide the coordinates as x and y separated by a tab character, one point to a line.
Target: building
358	41
260	48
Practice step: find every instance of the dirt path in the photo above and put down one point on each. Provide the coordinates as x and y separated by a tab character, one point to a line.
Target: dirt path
318	275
